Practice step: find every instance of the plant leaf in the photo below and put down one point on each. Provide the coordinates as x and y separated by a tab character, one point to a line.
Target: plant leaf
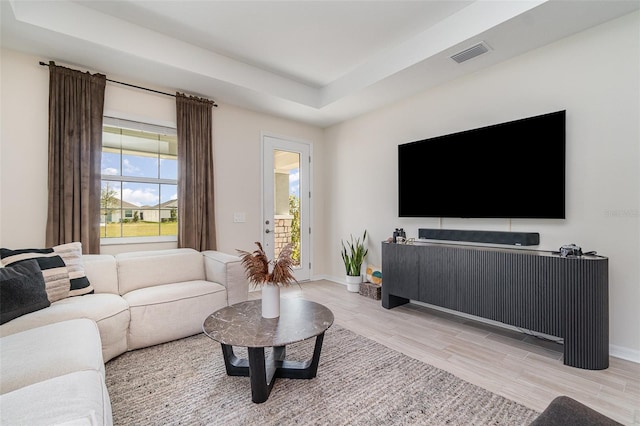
353	254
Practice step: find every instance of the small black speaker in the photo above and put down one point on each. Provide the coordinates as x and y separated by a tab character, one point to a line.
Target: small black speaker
491	237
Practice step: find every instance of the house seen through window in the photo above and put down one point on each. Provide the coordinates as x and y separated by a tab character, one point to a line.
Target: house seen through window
139	194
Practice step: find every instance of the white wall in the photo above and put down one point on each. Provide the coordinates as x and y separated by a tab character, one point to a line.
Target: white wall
594	75
23	150
237	145
23	155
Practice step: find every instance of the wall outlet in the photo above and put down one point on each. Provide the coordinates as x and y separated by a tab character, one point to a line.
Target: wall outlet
239	217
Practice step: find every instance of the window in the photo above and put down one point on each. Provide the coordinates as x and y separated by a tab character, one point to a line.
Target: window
139	195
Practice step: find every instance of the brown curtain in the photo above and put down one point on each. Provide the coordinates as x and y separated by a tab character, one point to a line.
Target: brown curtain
76	105
196	215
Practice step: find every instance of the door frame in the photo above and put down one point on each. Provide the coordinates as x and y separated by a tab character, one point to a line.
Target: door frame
306	223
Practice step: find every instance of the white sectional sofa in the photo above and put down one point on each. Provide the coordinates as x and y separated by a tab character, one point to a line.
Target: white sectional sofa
140	299
53	375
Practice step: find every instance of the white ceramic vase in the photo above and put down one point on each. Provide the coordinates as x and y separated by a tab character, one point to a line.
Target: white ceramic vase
270	301
353	283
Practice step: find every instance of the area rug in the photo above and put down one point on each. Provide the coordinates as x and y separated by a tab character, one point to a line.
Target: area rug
359	382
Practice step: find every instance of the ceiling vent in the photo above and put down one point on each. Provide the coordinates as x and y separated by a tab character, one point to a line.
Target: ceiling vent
471	52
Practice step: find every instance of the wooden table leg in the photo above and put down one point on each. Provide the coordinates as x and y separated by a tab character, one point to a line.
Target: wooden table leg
263	371
262	376
235	366
302	370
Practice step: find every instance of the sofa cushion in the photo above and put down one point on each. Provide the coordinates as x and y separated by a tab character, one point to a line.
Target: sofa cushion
101	269
54	270
49	351
22	290
52	261
71	254
109	311
78	398
171	311
138	270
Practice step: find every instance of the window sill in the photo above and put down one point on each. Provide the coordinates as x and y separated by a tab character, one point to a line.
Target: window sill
137	240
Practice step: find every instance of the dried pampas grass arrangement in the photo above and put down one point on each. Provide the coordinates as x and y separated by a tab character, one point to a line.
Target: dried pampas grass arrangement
261	271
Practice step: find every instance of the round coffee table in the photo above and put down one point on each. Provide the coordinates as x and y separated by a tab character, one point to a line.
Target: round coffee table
242	325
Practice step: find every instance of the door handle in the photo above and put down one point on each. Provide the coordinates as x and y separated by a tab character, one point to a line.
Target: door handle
267	231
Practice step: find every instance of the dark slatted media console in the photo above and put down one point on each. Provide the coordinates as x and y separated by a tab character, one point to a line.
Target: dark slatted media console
567	297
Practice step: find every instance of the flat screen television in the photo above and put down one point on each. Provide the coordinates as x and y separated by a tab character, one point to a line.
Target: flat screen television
509	170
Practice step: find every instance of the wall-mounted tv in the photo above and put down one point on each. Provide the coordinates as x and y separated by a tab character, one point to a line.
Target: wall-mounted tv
509	170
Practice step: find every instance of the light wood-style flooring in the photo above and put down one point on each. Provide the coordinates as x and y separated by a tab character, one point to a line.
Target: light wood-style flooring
517	366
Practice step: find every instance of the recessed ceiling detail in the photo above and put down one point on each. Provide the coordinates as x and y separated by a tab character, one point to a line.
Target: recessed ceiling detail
318	62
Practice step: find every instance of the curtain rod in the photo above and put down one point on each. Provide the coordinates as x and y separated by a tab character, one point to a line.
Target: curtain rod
44	64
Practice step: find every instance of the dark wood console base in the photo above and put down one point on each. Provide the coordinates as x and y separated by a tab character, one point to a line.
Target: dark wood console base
390	301
534	290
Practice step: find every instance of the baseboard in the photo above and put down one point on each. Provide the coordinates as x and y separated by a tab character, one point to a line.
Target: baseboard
624	353
329	278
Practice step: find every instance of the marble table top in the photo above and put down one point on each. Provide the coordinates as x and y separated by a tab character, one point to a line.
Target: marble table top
242	324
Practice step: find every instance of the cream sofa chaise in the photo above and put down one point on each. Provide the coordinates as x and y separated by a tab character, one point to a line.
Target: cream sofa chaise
140	299
54	375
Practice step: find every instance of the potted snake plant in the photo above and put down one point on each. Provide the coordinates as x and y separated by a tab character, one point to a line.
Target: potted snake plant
353	254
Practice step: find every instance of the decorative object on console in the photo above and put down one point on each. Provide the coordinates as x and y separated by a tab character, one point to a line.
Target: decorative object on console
399	234
353	254
570	250
22	290
269	275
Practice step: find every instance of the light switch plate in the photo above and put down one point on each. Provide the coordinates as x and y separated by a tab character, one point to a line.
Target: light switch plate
239	217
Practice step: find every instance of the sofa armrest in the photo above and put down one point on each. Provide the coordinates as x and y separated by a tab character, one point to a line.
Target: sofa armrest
227	270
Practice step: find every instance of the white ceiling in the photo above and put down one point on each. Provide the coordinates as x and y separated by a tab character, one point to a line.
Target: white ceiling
319	62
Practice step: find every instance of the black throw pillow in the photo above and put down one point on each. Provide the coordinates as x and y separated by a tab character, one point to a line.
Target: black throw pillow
22	290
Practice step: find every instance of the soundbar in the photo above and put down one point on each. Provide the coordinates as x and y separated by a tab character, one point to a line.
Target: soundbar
491	237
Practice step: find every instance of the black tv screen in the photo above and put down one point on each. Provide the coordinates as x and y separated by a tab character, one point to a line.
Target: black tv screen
509	170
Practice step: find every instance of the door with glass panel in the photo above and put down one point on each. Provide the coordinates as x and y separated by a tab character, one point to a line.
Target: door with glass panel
286	201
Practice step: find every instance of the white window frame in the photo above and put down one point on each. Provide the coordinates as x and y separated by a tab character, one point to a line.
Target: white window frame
111	120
